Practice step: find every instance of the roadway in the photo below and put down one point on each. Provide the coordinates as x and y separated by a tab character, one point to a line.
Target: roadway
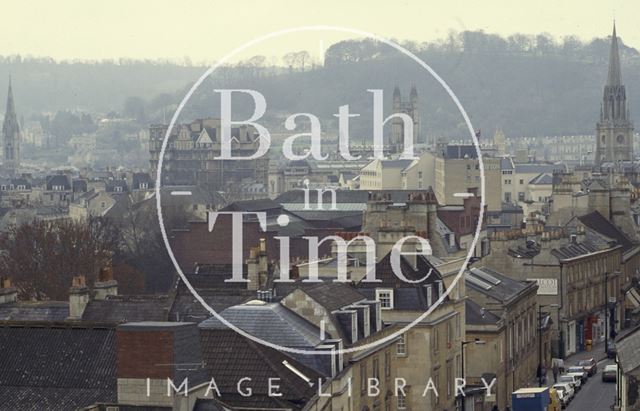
595	395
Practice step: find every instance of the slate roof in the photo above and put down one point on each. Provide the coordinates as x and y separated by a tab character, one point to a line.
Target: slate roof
346	196
506	164
275	323
34	311
215	292
263	204
58	180
142	178
230	357
476	315
461	151
541	179
531	168
333	296
113	184
574	250
407	296
494	284
56	367
628	353
118	309
600	224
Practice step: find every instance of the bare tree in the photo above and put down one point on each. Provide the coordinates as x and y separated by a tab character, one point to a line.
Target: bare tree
43	256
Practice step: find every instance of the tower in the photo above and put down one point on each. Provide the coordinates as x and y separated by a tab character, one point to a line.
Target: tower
614	131
410	108
10	135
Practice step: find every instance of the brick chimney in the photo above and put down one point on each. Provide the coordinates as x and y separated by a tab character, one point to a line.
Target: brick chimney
78	297
105	285
8	293
149	353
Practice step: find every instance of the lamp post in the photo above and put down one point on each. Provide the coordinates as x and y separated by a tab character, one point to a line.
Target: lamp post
540	339
606	313
476	341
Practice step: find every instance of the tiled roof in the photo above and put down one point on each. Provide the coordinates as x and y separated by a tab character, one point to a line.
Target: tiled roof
123	308
56	367
230	357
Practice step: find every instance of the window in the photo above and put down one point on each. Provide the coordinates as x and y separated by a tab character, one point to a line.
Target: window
387	364
363	378
507	197
376	369
385	296
520	196
436	338
449	379
402	401
401	346
144	186
521	181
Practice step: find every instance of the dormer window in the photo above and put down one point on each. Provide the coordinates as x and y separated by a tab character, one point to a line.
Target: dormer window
117	189
385	296
144	186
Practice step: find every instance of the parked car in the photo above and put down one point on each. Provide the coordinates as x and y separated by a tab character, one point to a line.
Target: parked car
579	371
612	351
566	389
590	366
574	380
562	397
610	373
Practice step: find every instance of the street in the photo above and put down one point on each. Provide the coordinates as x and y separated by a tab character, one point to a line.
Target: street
595	395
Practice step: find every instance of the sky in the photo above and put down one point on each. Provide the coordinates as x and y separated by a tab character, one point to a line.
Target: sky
205	30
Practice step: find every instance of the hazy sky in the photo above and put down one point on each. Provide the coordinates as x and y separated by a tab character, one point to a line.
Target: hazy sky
204	30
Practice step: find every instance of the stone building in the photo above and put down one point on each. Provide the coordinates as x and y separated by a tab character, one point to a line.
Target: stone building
577	270
190	157
457	172
514	330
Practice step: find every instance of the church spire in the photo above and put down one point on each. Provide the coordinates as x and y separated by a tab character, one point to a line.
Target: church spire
11	134
614	78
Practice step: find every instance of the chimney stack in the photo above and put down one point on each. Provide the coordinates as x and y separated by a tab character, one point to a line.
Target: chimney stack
78	297
8	293
105	285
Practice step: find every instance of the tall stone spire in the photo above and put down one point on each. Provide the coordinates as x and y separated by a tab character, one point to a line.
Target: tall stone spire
614	78
614	131
10	135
